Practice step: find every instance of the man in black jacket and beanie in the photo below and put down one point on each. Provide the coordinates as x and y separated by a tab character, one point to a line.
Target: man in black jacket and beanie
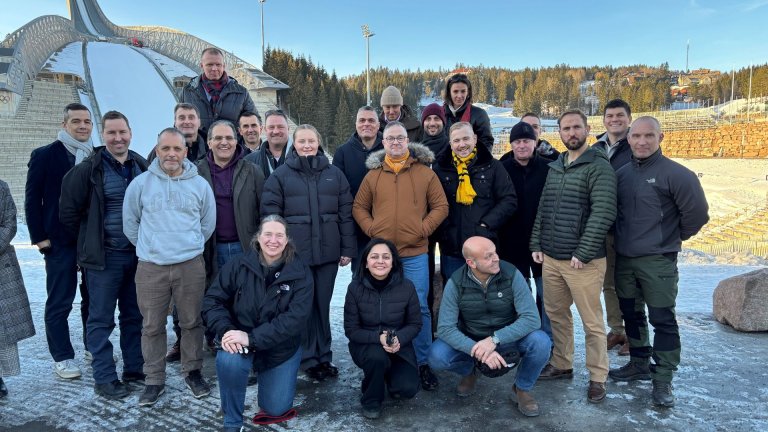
528	171
92	205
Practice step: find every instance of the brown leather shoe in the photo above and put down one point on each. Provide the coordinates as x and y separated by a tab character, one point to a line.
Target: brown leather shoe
550	372
624	350
615	339
596	392
526	404
466	386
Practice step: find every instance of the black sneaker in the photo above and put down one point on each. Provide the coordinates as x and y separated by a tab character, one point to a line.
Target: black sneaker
329	369
372	413
662	394
133	377
197	384
114	390
428	379
631	371
151	394
3	389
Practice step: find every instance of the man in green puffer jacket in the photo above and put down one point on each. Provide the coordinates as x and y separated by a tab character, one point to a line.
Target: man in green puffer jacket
578	206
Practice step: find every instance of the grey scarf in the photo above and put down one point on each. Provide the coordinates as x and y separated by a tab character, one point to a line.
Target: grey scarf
81	150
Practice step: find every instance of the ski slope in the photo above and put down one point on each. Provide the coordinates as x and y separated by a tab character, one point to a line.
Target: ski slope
125	81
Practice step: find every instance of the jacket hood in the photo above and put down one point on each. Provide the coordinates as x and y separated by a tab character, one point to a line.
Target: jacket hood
189	171
419	152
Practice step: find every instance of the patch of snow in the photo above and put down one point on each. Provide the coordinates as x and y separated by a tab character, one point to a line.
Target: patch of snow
171	68
124	80
68	60
85	100
87	18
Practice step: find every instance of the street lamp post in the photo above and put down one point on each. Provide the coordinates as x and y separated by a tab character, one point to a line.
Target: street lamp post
262	32
367	35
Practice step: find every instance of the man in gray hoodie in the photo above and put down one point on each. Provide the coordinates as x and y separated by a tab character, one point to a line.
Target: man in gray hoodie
169	212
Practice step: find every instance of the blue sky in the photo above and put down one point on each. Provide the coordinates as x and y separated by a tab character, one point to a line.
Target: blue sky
431	34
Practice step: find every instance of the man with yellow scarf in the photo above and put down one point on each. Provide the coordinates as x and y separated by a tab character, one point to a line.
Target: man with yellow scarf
401	200
481	196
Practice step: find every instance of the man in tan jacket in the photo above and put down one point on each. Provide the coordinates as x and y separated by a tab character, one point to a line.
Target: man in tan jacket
401	200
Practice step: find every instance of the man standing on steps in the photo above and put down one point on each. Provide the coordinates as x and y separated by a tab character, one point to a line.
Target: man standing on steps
660	204
216	95
249	127
168	214
580	194
350	159
271	154
91	204
47	167
393	109
616	118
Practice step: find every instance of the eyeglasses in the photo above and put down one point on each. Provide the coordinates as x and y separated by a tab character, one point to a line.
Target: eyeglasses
400	139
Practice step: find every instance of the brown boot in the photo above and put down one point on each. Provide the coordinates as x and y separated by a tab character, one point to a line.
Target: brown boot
526	404
596	392
615	339
550	372
466	386
624	350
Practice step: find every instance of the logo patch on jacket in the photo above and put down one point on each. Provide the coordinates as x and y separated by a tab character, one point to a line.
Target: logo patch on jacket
651	180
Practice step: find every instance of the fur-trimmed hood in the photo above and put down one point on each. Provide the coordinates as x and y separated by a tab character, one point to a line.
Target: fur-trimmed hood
419	153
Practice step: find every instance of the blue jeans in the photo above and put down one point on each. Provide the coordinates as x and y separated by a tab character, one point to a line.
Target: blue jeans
111	287
546	326
416	269
277	386
225	252
61	286
534	352
448	265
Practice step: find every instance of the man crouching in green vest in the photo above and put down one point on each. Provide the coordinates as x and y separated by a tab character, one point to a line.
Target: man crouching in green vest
487	316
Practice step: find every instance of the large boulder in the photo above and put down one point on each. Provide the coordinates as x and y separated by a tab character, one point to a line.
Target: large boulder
742	301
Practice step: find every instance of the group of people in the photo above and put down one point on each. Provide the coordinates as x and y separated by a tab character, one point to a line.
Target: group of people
242	240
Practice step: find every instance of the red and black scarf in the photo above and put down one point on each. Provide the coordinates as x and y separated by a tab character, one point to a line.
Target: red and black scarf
214	87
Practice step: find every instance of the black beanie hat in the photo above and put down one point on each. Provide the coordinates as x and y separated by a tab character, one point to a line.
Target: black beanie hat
522	130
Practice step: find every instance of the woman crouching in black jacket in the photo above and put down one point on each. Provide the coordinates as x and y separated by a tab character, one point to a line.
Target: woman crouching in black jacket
381	318
258	306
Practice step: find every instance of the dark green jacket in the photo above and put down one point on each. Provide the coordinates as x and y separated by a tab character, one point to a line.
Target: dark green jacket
469	313
577	207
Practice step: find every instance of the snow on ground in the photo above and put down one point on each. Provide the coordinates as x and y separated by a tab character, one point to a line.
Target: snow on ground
124	80
68	60
171	68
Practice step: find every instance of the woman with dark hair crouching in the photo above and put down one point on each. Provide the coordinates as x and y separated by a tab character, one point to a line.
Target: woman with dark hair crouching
258	306
381	318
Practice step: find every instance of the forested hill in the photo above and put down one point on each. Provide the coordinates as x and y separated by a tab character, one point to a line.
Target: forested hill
329	102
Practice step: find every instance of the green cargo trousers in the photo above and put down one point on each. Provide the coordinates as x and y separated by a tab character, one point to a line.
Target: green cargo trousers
650	281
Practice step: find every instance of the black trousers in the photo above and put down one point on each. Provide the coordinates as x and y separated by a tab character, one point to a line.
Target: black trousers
384	372
316	341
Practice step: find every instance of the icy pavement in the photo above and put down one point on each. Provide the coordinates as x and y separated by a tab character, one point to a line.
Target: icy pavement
721	384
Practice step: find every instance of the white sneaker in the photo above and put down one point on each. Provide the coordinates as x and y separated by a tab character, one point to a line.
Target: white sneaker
67	369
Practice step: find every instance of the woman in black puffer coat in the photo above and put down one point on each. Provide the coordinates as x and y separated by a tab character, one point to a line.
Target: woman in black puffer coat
313	196
381	318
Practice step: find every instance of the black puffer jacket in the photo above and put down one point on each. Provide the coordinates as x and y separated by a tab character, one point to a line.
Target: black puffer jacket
350	159
233	101
274	316
515	235
313	196
478	118
408	119
368	311
578	206
81	206
495	202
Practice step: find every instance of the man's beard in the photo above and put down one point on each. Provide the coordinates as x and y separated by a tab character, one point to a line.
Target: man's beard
579	144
